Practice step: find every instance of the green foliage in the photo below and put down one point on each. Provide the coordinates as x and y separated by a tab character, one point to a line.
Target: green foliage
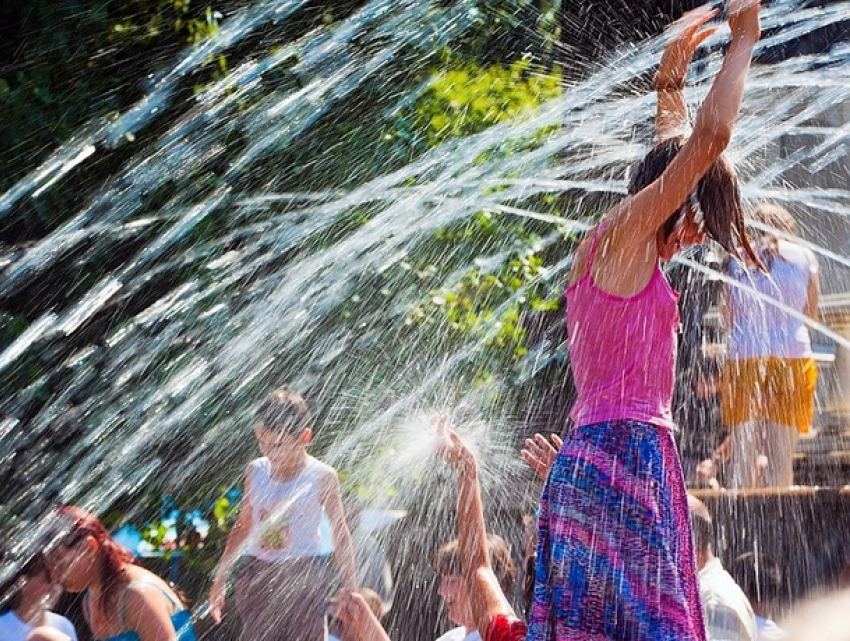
67	66
468	99
507	30
488	305
481	303
11	326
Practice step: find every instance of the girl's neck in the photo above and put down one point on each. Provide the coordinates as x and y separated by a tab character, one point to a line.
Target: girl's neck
96	588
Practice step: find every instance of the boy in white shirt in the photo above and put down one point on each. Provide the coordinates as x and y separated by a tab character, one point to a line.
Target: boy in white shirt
283	582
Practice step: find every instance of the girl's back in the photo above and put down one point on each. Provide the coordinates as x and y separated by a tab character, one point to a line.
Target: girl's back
622	349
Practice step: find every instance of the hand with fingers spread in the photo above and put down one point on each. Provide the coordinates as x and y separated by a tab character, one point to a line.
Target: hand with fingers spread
689	32
540	453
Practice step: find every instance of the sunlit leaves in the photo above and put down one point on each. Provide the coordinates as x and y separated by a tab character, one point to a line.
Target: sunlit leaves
470	98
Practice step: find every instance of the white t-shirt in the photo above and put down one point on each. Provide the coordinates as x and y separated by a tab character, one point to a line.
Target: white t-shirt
728	613
285	515
460	634
759	328
12	628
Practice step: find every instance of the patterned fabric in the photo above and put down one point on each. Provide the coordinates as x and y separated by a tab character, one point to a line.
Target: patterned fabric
506	628
615	558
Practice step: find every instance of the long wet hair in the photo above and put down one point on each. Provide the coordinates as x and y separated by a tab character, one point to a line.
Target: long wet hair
717	192
114	556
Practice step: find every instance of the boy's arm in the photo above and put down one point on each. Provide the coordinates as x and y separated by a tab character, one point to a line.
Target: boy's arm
813	290
332	504
233	547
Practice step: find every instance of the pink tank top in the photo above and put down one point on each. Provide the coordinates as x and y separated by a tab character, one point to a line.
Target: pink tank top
622	350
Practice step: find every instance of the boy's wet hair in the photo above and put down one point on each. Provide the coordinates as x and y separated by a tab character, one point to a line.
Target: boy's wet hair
447	561
284	411
717	192
778	218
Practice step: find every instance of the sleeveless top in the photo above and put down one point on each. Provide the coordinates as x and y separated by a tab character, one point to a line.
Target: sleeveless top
285	515
622	349
181	619
760	329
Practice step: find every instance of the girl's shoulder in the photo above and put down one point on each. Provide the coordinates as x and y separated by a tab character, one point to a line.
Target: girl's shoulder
146	587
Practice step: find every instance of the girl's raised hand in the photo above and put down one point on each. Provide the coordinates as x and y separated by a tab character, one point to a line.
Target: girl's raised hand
743	17
687	33
450	446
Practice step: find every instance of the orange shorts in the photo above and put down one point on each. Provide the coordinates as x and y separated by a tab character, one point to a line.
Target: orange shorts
779	390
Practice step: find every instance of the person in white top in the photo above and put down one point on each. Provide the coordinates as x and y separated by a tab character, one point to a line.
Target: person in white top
283	580
453	590
727	613
24	612
768	382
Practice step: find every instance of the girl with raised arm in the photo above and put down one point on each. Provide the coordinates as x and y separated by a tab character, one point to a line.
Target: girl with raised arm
615	557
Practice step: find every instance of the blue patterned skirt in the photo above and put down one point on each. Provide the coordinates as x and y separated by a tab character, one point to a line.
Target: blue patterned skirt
615	557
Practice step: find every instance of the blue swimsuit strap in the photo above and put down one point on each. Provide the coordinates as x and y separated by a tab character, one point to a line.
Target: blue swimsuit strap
122	606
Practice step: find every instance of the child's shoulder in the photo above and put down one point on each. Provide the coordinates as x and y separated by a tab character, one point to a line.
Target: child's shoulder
261	463
321	468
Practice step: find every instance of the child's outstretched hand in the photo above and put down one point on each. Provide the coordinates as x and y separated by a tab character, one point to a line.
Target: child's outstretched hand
687	34
450	447
540	453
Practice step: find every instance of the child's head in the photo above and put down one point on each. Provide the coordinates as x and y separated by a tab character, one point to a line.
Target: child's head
777	218
81	550
715	204
758	576
30	585
452	589
340	629
283	423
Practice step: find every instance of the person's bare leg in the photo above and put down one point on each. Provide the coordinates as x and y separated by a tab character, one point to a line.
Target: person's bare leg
781	444
744	456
